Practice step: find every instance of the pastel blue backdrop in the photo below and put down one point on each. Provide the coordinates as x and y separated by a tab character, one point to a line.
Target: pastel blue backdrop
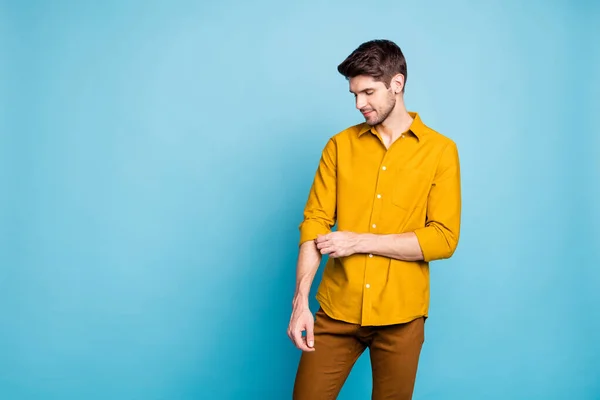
156	157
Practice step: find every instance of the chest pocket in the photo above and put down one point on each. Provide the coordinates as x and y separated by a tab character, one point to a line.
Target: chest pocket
410	188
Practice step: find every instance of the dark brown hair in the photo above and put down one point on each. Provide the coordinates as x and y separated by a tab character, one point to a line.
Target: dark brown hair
380	59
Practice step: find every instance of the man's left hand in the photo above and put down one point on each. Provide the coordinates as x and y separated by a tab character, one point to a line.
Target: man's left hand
337	244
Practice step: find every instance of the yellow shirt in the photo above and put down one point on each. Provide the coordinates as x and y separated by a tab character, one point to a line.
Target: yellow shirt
414	186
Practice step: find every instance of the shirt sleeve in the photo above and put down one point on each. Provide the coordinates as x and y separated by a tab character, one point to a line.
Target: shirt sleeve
320	209
439	238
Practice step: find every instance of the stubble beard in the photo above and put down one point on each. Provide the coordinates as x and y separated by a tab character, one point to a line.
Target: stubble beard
385	113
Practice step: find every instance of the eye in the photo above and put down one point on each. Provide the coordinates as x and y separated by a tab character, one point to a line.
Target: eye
370	92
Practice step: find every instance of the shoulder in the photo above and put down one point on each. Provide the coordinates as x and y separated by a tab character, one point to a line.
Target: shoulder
345	136
442	148
438	139
350	132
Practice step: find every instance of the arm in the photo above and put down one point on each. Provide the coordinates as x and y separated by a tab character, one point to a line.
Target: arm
320	210
309	260
302	319
319	218
438	239
403	246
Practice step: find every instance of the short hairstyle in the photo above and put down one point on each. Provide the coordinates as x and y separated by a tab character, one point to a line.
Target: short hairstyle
380	59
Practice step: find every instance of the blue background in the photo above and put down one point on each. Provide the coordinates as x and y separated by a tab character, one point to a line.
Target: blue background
155	158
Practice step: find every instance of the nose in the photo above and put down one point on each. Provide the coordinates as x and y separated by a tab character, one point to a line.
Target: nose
360	102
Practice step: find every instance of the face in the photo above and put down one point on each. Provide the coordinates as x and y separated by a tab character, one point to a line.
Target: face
373	99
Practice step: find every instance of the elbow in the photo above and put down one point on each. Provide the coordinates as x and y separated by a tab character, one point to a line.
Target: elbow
449	251
448	245
439	244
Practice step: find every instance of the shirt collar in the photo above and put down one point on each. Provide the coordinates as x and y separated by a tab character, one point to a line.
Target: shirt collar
417	127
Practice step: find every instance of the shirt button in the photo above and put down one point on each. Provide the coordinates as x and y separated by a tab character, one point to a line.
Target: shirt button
383	168
371	255
374	226
368	286
378	196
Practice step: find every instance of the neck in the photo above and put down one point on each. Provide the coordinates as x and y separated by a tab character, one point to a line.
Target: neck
396	123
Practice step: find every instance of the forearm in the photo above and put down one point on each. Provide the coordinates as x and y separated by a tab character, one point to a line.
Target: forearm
403	246
309	259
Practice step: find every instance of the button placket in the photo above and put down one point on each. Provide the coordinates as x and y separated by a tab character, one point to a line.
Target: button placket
374	219
378	195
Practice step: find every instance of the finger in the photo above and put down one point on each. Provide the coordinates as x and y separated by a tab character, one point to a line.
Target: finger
327	250
310	335
307	348
327	236
299	341
321	245
291	335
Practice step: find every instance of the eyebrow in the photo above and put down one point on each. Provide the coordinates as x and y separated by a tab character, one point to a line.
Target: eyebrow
364	90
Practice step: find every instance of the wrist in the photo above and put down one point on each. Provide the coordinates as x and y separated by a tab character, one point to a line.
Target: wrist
362	244
300	301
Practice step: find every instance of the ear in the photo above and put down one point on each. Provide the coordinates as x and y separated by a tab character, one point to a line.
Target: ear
398	83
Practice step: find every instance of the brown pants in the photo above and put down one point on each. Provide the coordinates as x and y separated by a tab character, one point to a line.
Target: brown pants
394	351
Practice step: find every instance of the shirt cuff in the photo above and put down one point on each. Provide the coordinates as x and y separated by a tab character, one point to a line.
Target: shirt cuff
310	229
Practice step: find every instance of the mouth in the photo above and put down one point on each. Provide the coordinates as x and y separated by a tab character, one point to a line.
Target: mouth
366	114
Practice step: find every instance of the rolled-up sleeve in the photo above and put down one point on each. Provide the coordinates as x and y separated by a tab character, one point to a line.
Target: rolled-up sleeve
439	238
320	209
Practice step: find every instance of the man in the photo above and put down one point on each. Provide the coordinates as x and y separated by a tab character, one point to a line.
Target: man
392	184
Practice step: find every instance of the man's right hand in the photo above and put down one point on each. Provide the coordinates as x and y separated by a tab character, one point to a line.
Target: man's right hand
302	320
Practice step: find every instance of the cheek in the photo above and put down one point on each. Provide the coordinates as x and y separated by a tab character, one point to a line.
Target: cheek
381	101
376	104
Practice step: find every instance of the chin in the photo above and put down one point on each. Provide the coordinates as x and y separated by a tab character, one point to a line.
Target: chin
371	121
